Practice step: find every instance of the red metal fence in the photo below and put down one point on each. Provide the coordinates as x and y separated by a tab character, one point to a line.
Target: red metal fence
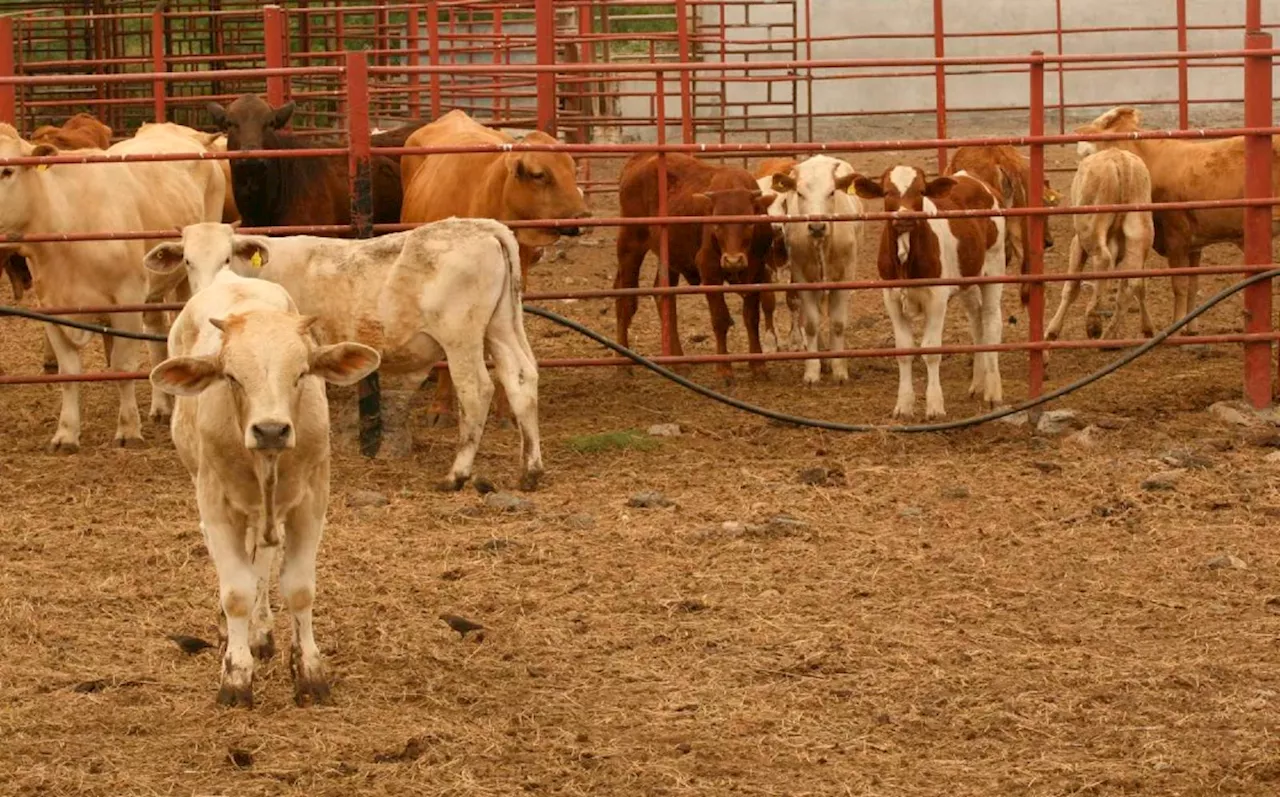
363	85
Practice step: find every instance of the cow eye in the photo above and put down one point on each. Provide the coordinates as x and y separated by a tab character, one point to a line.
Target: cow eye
6	172
231	380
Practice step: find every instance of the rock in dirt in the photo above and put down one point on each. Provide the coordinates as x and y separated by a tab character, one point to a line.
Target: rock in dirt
1162	480
821	476
1273	458
1055	421
1225	561
506	502
1085	438
784	521
665	430
733	527
363	498
1267	439
1016	419
910	512
1183	458
1230	412
580	521
649	499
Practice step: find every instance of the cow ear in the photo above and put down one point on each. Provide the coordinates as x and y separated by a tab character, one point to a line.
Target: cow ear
219	324
251	248
763	202
701	205
783	182
844	181
306	323
867	188
185	376
281	116
344	363
43	151
938	186
218	114
164	258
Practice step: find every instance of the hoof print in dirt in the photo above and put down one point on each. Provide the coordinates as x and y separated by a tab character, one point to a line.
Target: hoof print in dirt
240	759
649	500
364	498
507	502
1164	480
822	476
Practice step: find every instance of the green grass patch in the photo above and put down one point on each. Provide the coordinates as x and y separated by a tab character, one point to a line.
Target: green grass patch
625	440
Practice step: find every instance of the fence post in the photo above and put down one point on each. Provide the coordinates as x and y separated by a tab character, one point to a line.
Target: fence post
665	304
433	53
415	59
940	81
1257	220
686	82
8	91
1035	230
1062	83
545	24
1184	91
360	174
158	46
273	48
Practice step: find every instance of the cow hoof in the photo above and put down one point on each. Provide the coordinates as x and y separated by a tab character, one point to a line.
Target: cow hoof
236	696
310	692
63	447
441	420
129	442
265	648
529	481
160	417
50	366
451	484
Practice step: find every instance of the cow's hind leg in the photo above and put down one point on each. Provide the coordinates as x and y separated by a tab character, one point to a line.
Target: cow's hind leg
517	372
67	437
971	299
298	589
838	318
475	390
440	413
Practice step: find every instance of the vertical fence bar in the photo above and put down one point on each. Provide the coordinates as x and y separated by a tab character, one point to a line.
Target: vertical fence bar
1257	220
1253	15
808	71
1062	83
545	24
360	175
666	303
1035	230
273	47
415	60
592	92
685	56
433	53
1184	102
158	90
940	81
8	91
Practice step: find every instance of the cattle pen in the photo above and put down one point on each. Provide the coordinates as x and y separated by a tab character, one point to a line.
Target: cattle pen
1079	601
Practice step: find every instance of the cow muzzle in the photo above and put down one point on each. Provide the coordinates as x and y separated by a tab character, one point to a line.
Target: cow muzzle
733	262
817	229
901	226
574	232
271	436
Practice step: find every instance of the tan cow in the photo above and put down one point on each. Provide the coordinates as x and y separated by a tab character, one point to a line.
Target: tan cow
1184	171
443	289
251	426
1108	240
95	198
506	186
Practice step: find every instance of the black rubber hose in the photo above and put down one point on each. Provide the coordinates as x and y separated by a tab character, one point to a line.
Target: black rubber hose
783	417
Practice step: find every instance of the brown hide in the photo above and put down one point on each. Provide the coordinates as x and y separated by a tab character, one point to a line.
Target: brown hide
81	131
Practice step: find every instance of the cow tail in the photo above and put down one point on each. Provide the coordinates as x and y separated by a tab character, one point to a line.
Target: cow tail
514	293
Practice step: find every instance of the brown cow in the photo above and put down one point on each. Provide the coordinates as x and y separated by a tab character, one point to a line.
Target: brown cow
1005	170
1184	171
710	254
505	186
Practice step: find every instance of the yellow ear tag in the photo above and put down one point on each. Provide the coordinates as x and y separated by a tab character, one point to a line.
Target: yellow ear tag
256	260
40	167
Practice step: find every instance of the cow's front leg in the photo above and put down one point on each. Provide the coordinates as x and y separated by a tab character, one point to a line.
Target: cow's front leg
305	526
902	340
237	588
993	333
769	338
838	318
751	318
720	323
66	439
935	316
811	312
971	299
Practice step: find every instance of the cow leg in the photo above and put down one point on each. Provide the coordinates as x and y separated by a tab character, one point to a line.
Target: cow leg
67	437
237	588
261	630
903	340
1101	259
797	321
154	322
838	318
810	313
122	355
305	527
721	321
1181	258
475	391
768	303
1070	290
751	318
517	371
632	247
971	300
440	413
1137	243
935	317
1193	292
50	363
993	333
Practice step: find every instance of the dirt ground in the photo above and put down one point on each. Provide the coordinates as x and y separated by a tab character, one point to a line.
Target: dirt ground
986	612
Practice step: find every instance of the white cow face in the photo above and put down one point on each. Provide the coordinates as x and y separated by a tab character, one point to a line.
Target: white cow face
810	189
266	358
18	184
206	249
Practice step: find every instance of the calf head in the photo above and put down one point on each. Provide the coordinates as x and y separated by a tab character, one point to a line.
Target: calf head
205	249
19	185
733	240
264	363
543	185
904	190
250	123
809	189
1117	120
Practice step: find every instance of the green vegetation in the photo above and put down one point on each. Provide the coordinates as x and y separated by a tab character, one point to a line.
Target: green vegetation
626	440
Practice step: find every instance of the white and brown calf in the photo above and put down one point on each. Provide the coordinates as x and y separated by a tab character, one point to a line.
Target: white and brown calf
1108	241
251	425
820	251
919	248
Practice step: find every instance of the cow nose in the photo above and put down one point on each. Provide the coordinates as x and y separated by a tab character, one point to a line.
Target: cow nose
271	434
572	232
817	229
733	261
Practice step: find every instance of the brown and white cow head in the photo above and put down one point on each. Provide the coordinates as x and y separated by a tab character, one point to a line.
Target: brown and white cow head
20	185
810	189
542	185
733	240
1117	120
904	189
205	249
250	122
264	363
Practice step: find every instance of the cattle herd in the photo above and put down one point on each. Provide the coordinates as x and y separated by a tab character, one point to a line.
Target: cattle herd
268	321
